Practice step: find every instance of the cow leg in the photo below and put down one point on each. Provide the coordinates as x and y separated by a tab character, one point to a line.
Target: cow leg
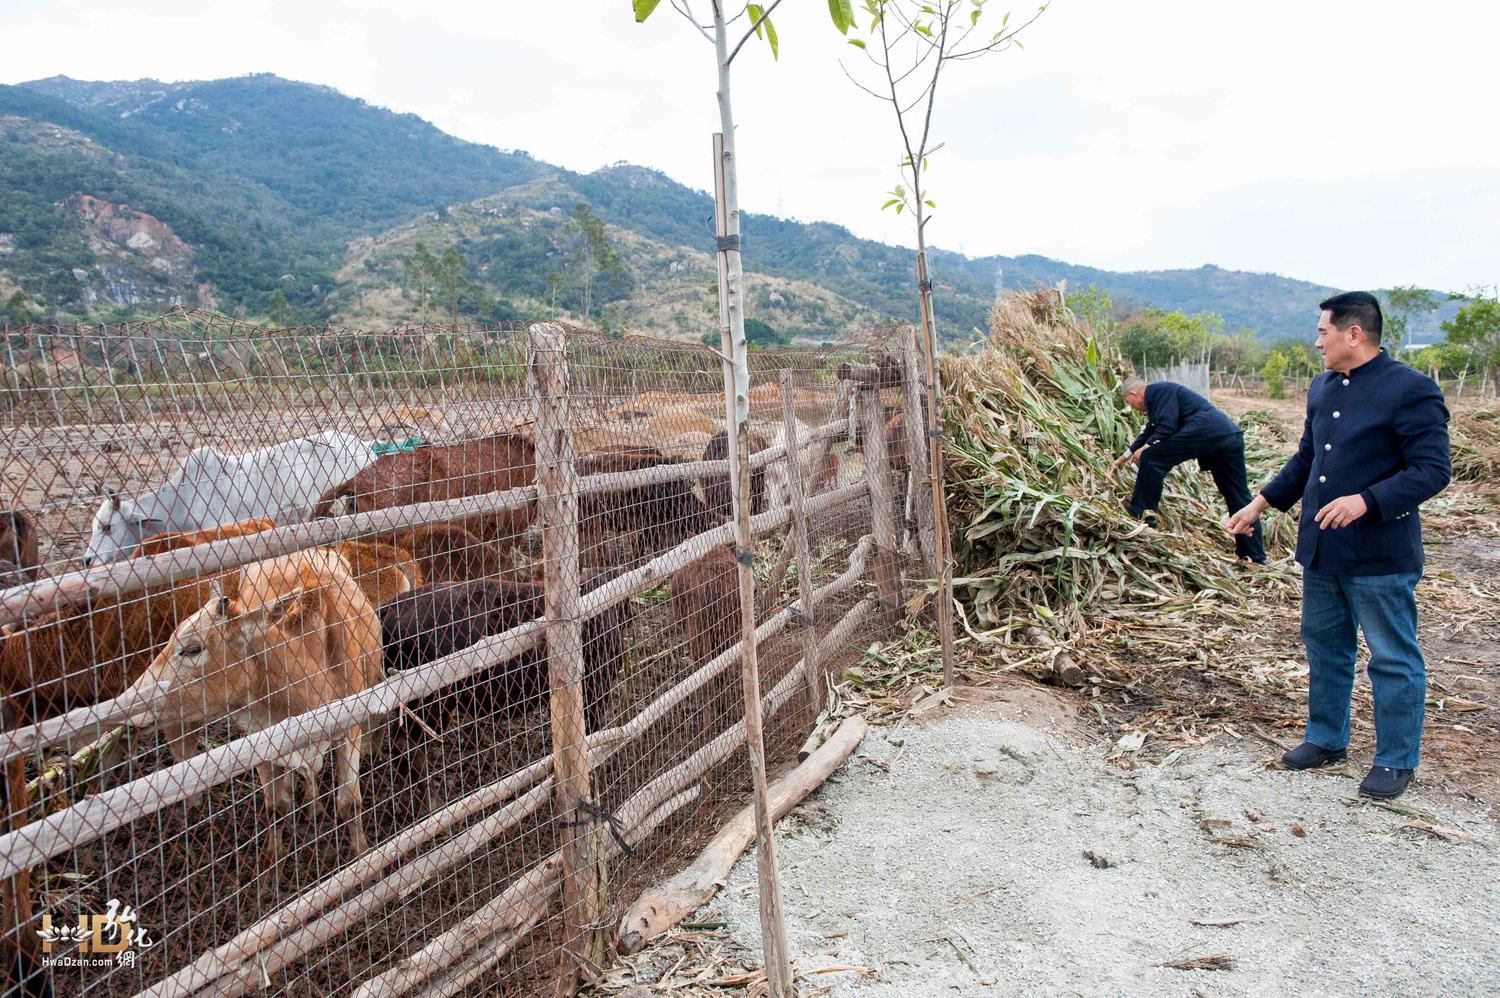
347	801
279	791
409	748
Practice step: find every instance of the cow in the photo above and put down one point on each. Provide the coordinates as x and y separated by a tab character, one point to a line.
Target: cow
211	488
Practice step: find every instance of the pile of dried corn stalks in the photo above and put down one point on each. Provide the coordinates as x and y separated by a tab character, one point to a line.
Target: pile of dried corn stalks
1042	535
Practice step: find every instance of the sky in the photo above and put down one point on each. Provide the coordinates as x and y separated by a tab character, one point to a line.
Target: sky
1347	143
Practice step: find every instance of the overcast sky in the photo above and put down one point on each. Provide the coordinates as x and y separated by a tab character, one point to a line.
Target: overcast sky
1347	142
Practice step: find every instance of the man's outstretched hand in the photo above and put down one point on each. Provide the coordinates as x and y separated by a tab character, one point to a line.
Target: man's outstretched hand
1341	512
1243	521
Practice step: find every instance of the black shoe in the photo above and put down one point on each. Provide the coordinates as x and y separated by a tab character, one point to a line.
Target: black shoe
1307	756
1384	783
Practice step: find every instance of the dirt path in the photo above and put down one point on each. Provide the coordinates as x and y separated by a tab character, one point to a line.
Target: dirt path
996	850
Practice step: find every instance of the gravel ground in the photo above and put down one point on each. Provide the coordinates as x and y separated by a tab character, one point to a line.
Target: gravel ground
965	869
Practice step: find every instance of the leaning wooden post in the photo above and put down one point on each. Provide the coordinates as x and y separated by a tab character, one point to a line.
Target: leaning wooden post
882	498
737	417
557	510
913	374
797	495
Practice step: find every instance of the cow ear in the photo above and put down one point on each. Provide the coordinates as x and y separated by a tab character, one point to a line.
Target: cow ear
218	606
112	496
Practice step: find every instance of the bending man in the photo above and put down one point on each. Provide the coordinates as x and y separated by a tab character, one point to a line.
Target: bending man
1374	446
1182	425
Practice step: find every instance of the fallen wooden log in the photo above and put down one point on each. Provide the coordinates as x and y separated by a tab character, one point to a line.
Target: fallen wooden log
663	906
1065	671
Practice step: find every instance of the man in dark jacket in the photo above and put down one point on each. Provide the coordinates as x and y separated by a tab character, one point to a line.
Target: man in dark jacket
1374	446
1182	425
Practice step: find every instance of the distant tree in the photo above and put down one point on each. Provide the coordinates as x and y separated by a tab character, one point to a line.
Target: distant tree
1094	306
554	284
278	311
1275	374
761	336
1403	304
1302	358
594	255
1476	330
1157	338
449	280
419	269
17	312
1240	353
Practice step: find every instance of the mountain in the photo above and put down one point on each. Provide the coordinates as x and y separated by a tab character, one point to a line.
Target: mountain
121	198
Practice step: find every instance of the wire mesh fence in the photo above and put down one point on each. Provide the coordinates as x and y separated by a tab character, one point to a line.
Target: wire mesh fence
232	553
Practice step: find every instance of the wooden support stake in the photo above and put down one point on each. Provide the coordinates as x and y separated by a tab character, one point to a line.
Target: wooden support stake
666	904
797	497
557	511
914	375
737	418
882	500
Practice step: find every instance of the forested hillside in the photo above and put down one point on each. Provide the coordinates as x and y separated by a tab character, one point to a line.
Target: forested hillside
258	195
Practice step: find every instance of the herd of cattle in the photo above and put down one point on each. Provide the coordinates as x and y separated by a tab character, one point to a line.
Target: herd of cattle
277	638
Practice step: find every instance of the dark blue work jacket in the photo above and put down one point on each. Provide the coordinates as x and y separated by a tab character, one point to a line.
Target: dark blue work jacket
1174	412
1380	433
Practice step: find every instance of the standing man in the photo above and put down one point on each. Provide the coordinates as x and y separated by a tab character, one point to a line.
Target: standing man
1182	425
1374	446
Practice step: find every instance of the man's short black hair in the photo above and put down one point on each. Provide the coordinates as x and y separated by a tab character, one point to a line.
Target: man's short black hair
1356	308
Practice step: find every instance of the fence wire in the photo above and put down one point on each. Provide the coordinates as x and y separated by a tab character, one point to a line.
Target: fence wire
210	845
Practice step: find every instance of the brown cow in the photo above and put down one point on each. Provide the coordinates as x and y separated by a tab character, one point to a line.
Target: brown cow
383	571
93	650
656	515
706	603
172	540
447	552
22	972
19	543
435	473
302	636
716	493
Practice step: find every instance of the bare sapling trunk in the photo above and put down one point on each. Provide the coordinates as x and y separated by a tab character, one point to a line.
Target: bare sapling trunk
737	408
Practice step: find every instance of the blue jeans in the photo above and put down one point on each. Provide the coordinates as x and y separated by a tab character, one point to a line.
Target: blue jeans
1385	607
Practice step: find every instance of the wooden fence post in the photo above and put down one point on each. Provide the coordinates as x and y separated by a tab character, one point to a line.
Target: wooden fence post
882	498
914	373
797	494
583	871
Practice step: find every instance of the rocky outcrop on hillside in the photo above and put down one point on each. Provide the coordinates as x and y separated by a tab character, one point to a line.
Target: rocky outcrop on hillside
139	259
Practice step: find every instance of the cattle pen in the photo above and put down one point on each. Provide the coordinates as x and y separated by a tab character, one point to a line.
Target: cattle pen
514	621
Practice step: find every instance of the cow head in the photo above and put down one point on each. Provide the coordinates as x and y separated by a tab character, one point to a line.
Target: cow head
210	667
118	529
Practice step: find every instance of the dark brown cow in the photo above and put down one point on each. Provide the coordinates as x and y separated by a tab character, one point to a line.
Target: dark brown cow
716	491
18	543
435	473
656	515
424	625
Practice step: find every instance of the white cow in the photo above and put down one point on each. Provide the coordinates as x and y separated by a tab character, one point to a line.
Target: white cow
282	482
